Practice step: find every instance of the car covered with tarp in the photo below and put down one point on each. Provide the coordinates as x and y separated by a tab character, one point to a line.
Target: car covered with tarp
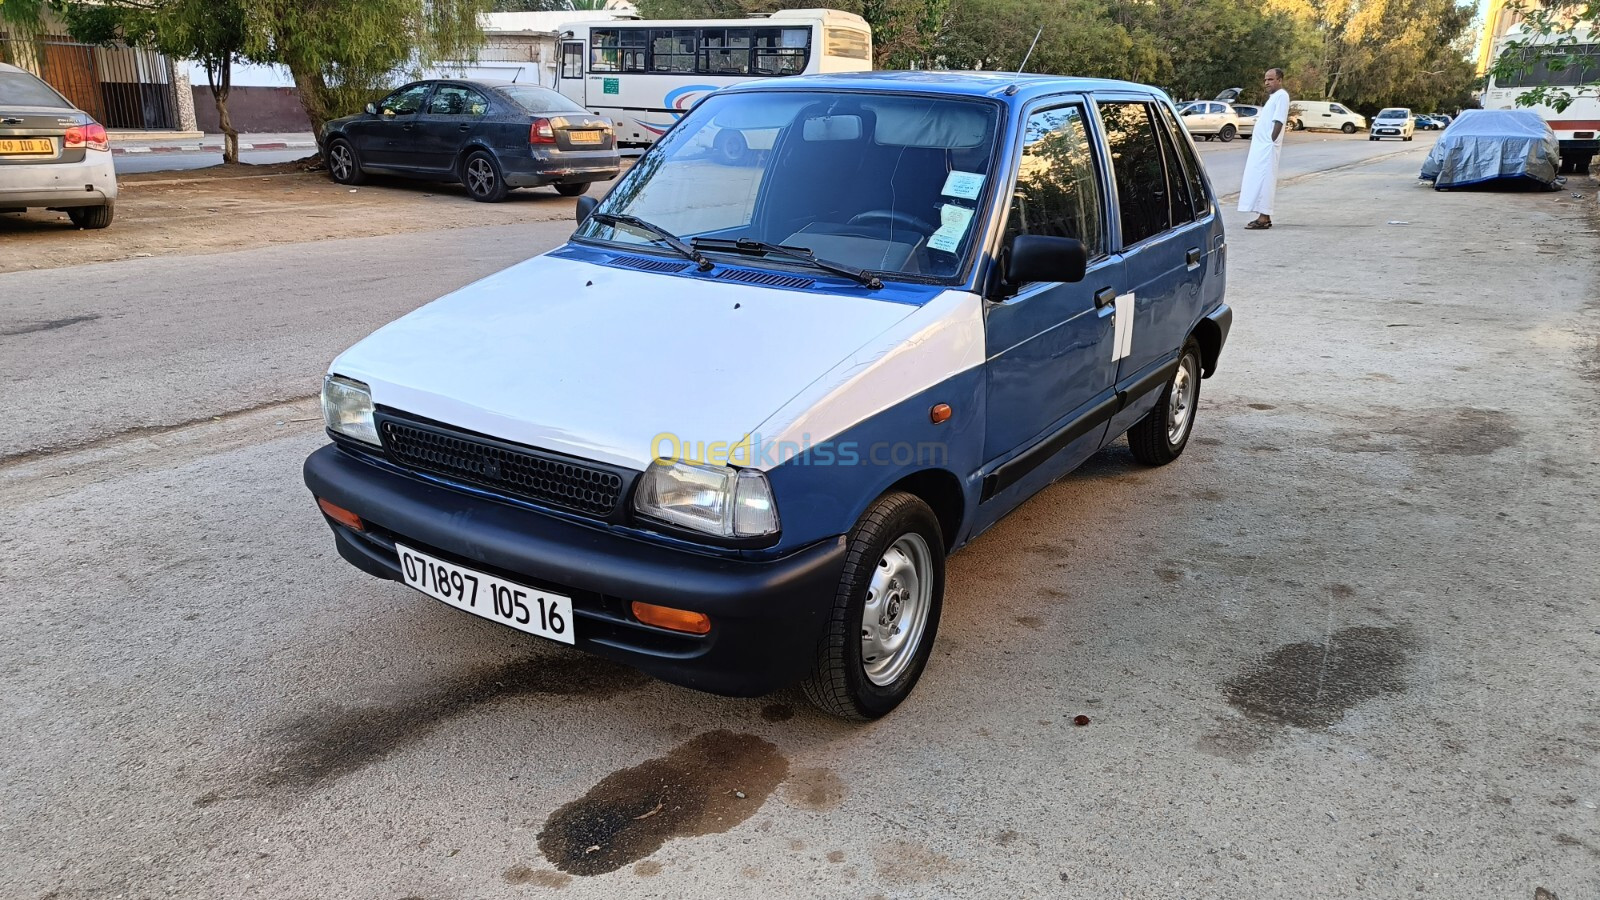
1490	146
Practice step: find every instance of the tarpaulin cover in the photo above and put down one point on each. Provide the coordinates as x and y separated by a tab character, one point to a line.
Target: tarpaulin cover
1485	145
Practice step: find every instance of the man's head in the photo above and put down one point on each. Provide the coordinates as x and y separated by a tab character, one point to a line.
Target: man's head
1274	79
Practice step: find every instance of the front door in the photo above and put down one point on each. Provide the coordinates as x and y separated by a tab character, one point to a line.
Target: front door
571	81
1051	368
388	139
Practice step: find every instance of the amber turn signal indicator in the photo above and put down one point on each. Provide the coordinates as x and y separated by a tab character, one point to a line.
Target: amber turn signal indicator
940	413
672	619
341	515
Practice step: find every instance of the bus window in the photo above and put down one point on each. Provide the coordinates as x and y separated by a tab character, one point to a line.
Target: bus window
618	49
781	51
673	50
725	51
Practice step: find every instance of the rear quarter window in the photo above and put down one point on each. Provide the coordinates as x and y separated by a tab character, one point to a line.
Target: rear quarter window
22	89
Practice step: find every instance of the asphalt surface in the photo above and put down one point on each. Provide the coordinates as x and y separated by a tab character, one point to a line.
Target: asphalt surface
1345	647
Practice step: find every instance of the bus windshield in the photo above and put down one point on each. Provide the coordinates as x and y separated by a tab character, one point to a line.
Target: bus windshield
887	183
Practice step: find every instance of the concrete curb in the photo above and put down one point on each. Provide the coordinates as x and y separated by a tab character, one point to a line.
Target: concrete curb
217	148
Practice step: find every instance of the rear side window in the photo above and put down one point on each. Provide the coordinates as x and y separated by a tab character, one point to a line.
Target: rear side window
1183	169
455	100
1136	164
538	99
22	89
1058	193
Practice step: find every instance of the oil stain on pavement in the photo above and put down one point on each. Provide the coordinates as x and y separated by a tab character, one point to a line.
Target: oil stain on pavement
706	785
1311	685
320	748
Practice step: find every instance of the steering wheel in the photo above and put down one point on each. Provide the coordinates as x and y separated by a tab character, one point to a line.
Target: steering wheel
894	218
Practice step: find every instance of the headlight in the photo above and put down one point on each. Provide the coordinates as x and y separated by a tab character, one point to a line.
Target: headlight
347	408
730	503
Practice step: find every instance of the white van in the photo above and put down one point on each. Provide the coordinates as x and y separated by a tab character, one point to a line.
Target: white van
1324	114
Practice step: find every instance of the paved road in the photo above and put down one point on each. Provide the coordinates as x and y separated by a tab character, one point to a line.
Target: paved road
1345	647
1304	153
130	163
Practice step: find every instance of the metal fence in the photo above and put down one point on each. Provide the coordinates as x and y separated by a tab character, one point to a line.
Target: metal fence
122	87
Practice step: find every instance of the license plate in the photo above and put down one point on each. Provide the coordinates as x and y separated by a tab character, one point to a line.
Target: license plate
584	137
518	606
18	146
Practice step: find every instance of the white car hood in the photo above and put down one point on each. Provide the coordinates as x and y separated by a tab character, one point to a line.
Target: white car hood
598	362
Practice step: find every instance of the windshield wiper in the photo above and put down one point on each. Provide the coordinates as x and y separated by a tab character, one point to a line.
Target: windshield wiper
665	236
762	248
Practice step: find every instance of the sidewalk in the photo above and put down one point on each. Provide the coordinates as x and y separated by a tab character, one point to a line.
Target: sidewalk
191	141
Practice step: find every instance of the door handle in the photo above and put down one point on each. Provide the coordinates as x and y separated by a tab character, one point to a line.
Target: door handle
407	127
464	128
1105	297
1192	258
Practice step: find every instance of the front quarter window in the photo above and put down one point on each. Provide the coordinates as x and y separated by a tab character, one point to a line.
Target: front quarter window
889	183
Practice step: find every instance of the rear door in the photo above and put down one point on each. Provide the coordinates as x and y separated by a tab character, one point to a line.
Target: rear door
454	114
1050	367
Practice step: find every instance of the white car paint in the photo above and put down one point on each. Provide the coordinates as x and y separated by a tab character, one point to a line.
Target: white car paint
597	361
1207	118
1395	122
1321	115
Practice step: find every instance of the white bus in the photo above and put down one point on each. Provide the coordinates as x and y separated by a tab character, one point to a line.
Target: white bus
645	74
1577	127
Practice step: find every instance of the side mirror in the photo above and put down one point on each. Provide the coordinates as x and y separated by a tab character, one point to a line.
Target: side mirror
1037	257
372	109
586	206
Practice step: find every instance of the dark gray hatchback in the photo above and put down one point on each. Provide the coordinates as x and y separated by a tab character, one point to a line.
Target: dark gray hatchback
490	136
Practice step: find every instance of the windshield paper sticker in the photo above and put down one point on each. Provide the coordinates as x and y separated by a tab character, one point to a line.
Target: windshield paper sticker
954	221
965	185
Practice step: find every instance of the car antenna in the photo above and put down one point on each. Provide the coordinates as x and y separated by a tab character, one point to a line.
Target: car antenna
1025	56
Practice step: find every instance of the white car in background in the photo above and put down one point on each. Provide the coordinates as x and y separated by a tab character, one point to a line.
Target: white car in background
1324	115
1395	122
52	155
1210	119
1247	118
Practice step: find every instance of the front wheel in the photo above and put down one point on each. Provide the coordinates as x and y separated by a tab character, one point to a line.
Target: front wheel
343	166
572	190
1228	133
731	148
1373	138
1299	125
481	174
885	614
1159	437
1348	128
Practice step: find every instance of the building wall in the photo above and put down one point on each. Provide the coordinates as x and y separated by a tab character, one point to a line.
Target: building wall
252	108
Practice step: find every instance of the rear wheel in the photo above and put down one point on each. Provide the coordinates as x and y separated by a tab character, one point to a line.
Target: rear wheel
481	174
1373	138
572	190
1228	133
1348	128
1159	437
885	614
1299	125
343	166
731	147
92	216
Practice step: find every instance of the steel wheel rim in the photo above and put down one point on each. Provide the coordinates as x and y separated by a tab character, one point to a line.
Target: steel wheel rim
1180	402
895	614
342	163
480	177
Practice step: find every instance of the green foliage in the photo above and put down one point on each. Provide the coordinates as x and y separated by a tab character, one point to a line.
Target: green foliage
1558	42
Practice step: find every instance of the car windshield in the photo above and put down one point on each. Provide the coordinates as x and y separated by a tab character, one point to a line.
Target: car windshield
891	184
538	99
22	89
1392	114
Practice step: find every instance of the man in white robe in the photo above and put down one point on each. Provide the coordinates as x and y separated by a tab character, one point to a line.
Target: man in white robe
1261	168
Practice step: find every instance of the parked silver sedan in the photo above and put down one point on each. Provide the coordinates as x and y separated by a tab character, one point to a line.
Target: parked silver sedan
52	155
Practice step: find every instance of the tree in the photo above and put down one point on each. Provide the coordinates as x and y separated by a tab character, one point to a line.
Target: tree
343	53
210	32
1556	58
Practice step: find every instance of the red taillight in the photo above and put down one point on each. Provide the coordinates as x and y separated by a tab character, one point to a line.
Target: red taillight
92	136
540	132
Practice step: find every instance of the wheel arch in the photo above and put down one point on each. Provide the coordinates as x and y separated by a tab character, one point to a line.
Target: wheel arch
941	490
1208	334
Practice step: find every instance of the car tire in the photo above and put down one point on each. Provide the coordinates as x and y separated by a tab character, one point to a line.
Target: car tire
731	147
1406	138
344	166
1299	125
892	587
480	172
572	190
1228	133
1348	128
1373	138
92	216
1159	437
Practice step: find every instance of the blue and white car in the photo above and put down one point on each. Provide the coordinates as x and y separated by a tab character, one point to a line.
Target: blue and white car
731	430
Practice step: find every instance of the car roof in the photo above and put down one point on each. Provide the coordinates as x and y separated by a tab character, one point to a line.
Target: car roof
1007	86
7	67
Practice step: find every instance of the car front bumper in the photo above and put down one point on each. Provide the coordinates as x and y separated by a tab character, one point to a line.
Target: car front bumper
91	182
560	167
766	617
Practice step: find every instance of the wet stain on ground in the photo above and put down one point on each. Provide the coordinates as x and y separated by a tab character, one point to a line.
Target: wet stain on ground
1006	837
320	748
648	869
1210	494
1434	432
706	785
836	856
1261	406
777	712
1170	576
814	789
545	878
1311	685
1343	591
907	863
1567	840
1033	622
53	324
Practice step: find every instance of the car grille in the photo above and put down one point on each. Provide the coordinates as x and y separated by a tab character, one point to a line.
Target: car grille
518	472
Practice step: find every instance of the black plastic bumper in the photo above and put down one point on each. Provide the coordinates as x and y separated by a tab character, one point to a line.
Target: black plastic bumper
766	616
